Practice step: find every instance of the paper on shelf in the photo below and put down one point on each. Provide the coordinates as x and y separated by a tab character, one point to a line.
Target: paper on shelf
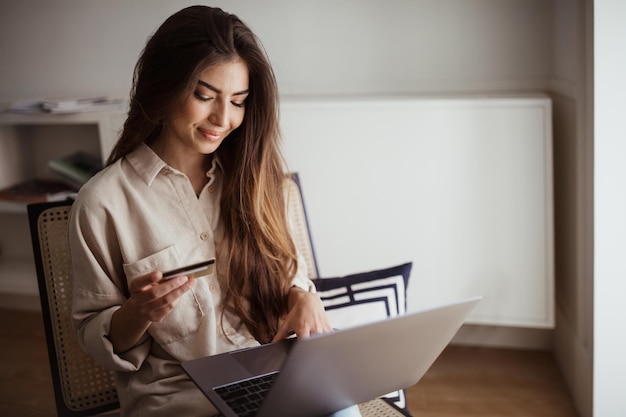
71	105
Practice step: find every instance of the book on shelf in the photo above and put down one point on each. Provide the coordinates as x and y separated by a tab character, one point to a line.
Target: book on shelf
77	168
37	191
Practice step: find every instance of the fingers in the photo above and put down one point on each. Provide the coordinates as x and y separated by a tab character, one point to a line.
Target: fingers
302	329
153	298
306	317
283	332
140	283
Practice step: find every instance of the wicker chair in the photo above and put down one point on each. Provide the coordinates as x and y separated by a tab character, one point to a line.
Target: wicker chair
300	223
81	386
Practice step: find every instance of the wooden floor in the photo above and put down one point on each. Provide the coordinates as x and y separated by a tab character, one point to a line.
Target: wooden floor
487	382
464	381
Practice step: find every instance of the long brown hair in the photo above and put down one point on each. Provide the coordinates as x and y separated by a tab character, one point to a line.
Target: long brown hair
261	256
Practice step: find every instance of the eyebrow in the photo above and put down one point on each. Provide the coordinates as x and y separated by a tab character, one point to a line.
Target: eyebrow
217	90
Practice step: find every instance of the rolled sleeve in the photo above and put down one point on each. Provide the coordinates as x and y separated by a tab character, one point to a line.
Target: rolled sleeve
92	333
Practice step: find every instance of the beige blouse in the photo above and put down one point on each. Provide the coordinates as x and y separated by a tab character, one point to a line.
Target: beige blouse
137	216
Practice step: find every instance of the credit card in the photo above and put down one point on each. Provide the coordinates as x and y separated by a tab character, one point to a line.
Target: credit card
192	271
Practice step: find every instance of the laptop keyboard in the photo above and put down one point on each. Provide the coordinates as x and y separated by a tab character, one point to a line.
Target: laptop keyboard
245	397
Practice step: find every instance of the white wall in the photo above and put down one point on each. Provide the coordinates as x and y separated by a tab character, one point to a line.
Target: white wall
610	206
88	47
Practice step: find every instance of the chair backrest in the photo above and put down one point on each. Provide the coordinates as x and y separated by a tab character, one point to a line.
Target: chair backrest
81	386
300	224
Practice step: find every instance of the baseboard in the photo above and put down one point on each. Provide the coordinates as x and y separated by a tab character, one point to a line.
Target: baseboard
20	302
504	337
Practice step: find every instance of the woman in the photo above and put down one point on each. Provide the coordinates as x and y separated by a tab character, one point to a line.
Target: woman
196	174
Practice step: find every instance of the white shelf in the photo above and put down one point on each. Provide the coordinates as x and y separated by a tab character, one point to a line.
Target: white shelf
94	117
27	142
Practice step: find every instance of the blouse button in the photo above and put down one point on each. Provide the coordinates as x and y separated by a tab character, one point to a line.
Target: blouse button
231	332
204	235
212	189
212	288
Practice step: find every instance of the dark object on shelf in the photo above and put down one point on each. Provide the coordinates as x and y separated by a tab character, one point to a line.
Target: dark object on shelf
38	191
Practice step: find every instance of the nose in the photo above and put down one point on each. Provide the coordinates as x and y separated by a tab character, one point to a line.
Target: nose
219	113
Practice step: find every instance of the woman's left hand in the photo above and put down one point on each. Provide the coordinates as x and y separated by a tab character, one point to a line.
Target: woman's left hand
306	315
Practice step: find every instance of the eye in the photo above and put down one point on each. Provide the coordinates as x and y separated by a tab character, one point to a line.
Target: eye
201	97
238	104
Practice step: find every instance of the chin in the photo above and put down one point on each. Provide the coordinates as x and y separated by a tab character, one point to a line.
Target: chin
208	149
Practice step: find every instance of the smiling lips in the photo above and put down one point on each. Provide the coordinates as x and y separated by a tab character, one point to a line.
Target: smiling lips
210	135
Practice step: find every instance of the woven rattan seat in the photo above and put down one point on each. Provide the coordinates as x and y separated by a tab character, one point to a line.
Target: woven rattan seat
81	386
299	223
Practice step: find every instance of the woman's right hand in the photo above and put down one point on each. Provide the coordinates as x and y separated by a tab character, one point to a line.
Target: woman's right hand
151	299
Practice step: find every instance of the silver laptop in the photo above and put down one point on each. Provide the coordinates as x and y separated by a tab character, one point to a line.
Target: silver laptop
325	373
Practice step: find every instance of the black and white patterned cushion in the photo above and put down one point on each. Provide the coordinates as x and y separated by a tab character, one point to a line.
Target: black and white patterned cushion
362	298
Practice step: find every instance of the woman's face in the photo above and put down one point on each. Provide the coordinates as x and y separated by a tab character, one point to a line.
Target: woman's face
213	111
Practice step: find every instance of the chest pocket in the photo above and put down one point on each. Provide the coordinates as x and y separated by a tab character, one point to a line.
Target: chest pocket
186	317
182	321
